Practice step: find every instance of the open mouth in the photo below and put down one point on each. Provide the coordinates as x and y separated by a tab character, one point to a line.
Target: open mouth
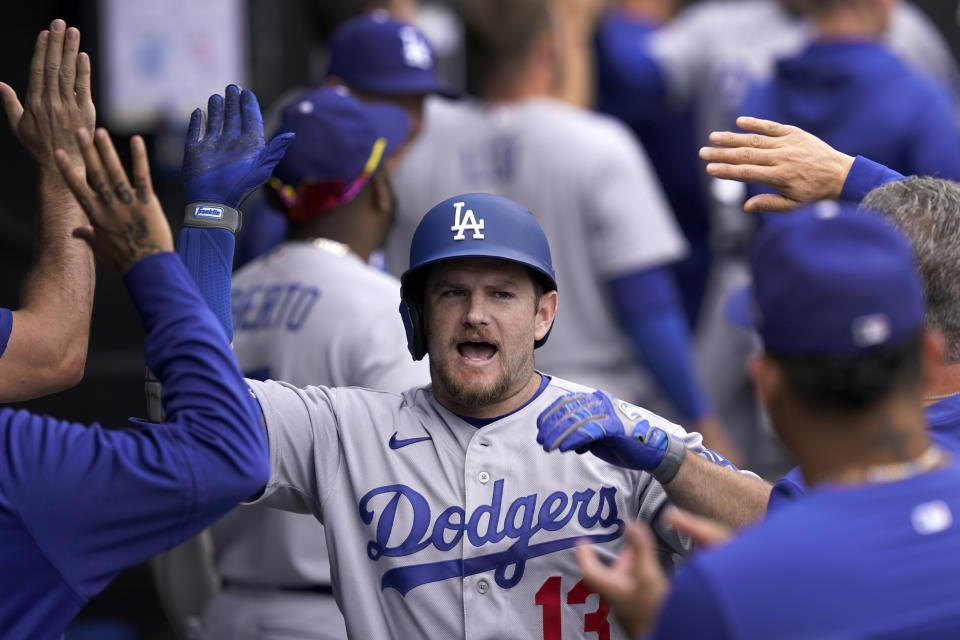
477	351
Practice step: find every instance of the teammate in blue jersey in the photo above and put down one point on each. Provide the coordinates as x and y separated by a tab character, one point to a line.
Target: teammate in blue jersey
918	206
846	86
44	342
873	550
79	503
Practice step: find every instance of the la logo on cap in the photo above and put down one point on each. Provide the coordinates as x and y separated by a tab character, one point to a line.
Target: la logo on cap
469	221
416	53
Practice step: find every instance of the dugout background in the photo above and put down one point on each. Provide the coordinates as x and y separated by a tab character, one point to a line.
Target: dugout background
284	41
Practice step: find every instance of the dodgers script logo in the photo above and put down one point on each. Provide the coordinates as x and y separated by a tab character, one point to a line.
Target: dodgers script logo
524	518
469	221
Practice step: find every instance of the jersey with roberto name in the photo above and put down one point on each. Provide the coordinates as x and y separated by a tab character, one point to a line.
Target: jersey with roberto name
438	529
591	189
309	312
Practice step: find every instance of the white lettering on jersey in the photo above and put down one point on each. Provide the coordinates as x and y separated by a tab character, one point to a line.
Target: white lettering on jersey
416	52
468	222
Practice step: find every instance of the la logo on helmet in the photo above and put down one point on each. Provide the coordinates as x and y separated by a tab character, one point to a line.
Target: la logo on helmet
469	221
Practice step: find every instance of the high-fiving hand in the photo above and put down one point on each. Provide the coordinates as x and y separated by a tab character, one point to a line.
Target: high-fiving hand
229	158
127	223
57	101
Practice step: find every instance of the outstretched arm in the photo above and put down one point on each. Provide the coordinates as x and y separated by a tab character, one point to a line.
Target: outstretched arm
797	164
47	344
694	477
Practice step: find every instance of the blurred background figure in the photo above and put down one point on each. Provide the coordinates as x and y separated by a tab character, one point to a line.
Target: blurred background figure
848	89
668	135
377	59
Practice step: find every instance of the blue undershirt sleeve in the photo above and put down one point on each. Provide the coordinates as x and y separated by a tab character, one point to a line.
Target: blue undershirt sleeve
865	175
208	256
691	610
6	326
649	311
96	500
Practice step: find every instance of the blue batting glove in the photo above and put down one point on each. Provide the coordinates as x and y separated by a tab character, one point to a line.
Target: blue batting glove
611	429
229	159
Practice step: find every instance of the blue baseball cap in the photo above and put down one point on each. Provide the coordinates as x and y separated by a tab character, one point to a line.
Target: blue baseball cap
377	54
340	143
830	280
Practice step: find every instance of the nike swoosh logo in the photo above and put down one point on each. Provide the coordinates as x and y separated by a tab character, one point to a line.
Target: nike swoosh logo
396	444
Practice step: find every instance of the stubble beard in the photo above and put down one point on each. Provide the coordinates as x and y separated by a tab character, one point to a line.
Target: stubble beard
472	394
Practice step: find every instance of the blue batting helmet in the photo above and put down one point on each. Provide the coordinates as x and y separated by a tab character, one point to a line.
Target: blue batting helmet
472	225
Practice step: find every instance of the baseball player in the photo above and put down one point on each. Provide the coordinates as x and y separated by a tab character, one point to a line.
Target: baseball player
313	311
44	342
871	552
377	59
81	503
443	514
593	192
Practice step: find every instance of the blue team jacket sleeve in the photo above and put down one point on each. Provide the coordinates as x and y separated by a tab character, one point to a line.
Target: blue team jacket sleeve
865	175
6	326
95	500
691	611
649	311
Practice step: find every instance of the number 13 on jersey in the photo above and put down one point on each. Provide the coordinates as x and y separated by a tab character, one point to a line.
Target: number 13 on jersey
550	595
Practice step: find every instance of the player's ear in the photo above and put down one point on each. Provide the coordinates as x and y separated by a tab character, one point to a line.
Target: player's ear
765	375
381	195
933	354
546	312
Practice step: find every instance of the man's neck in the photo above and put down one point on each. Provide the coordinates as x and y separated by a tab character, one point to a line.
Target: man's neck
849	25
537	81
849	449
944	383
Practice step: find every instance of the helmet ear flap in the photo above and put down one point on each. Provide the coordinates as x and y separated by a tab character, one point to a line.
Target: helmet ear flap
410	312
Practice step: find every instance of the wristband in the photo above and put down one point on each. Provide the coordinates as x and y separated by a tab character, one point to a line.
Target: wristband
672	459
214	215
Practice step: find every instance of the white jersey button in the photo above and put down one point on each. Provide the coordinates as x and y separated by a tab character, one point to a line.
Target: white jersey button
483	477
482	587
484	442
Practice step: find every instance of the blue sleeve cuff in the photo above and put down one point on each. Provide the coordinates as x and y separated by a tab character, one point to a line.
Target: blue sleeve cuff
865	175
6	326
649	311
787	489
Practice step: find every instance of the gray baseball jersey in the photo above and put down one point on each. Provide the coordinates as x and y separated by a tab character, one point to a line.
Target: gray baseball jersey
437	529
591	188
309	312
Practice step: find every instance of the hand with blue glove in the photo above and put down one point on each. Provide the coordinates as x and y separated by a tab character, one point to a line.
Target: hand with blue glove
611	429
229	159
221	164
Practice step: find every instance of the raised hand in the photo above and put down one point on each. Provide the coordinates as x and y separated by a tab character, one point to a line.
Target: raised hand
798	165
611	429
57	101
127	223
229	158
634	586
